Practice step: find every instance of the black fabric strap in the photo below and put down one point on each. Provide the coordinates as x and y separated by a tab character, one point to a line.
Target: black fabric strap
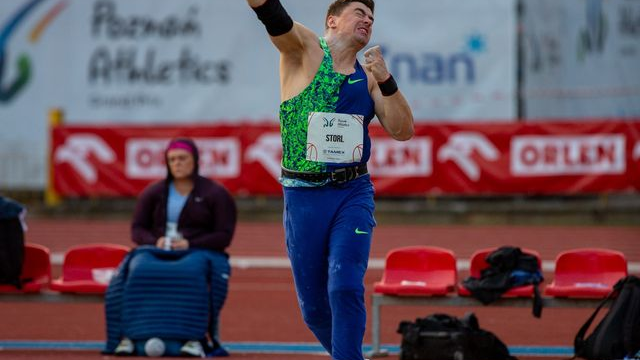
337	176
537	301
389	86
274	17
579	341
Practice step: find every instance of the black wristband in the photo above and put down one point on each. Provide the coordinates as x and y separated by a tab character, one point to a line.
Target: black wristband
389	86
274	17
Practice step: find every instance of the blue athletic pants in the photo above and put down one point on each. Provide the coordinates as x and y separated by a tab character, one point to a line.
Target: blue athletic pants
328	233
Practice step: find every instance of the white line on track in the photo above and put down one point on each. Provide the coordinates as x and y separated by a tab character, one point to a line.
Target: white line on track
277	262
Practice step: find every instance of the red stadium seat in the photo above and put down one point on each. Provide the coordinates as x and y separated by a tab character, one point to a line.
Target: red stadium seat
418	271
478	264
36	270
587	273
88	268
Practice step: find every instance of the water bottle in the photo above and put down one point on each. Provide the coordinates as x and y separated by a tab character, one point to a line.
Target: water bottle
170	234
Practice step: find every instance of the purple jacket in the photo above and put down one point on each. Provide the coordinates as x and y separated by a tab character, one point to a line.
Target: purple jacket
207	221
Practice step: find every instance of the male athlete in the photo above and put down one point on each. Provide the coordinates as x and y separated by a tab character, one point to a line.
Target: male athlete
328	100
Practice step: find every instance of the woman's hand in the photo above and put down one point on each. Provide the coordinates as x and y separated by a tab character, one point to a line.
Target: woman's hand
176	244
160	242
180	244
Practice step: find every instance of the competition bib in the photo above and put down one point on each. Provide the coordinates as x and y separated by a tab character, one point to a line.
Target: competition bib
334	138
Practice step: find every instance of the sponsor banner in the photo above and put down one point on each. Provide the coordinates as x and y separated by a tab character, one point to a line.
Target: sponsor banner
581	59
179	61
545	158
454	60
166	60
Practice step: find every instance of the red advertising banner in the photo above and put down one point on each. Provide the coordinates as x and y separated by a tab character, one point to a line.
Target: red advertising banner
520	158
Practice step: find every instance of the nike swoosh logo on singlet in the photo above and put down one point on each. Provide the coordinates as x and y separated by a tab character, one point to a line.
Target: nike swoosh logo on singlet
351	82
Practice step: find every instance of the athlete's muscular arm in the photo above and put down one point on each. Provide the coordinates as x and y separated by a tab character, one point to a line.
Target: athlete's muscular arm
300	54
285	34
393	110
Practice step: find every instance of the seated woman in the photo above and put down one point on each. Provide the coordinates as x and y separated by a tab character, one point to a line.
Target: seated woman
182	224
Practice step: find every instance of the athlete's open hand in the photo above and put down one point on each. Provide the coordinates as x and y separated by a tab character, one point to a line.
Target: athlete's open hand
374	63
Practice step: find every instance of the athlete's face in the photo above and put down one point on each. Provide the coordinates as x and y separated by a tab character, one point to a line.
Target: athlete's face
356	20
181	163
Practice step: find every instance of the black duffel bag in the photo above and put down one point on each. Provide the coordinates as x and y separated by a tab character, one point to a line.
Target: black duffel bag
445	337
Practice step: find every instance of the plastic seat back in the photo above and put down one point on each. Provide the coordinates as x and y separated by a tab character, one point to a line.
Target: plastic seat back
89	268
589	272
36	270
418	270
478	263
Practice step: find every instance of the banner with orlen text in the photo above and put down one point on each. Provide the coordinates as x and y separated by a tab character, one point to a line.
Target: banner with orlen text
544	158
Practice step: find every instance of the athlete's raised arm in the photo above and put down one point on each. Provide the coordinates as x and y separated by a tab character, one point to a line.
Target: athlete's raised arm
288	36
391	107
300	53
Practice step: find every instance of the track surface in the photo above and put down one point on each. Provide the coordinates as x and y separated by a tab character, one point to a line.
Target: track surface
262	304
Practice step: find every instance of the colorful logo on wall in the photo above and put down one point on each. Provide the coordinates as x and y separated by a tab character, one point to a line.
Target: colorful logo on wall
592	38
12	87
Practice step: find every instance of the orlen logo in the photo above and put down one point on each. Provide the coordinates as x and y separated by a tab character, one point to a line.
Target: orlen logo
568	155
392	158
83	152
219	158
433	68
461	148
9	89
267	150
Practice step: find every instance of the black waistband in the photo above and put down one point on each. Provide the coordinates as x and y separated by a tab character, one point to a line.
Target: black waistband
338	176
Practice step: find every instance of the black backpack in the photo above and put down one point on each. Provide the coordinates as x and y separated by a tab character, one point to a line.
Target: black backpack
11	242
618	334
445	337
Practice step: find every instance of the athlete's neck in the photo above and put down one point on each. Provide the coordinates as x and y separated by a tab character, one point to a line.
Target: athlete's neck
343	54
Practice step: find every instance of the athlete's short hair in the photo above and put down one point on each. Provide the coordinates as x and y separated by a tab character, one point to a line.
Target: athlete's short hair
337	6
